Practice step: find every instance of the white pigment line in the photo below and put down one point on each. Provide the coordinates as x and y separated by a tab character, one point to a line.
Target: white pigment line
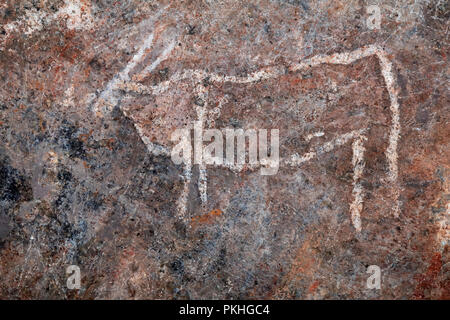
340	140
443	235
76	15
314	135
203	183
202	93
394	135
109	97
164	55
182	200
196	76
336	58
153	148
296	160
358	169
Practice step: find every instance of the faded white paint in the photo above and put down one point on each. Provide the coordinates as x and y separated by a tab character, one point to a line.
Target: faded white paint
358	169
77	16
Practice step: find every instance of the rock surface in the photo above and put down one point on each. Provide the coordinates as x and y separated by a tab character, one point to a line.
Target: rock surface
91	91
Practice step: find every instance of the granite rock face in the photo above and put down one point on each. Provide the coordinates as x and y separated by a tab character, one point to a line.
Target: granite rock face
92	91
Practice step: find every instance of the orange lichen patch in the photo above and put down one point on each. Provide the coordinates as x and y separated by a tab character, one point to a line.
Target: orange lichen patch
87	71
109	143
38	85
430	279
126	258
336	8
85	136
304	262
313	286
85	5
295	81
206	218
304	266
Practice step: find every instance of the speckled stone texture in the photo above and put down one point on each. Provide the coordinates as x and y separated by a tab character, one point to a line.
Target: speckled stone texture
90	92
